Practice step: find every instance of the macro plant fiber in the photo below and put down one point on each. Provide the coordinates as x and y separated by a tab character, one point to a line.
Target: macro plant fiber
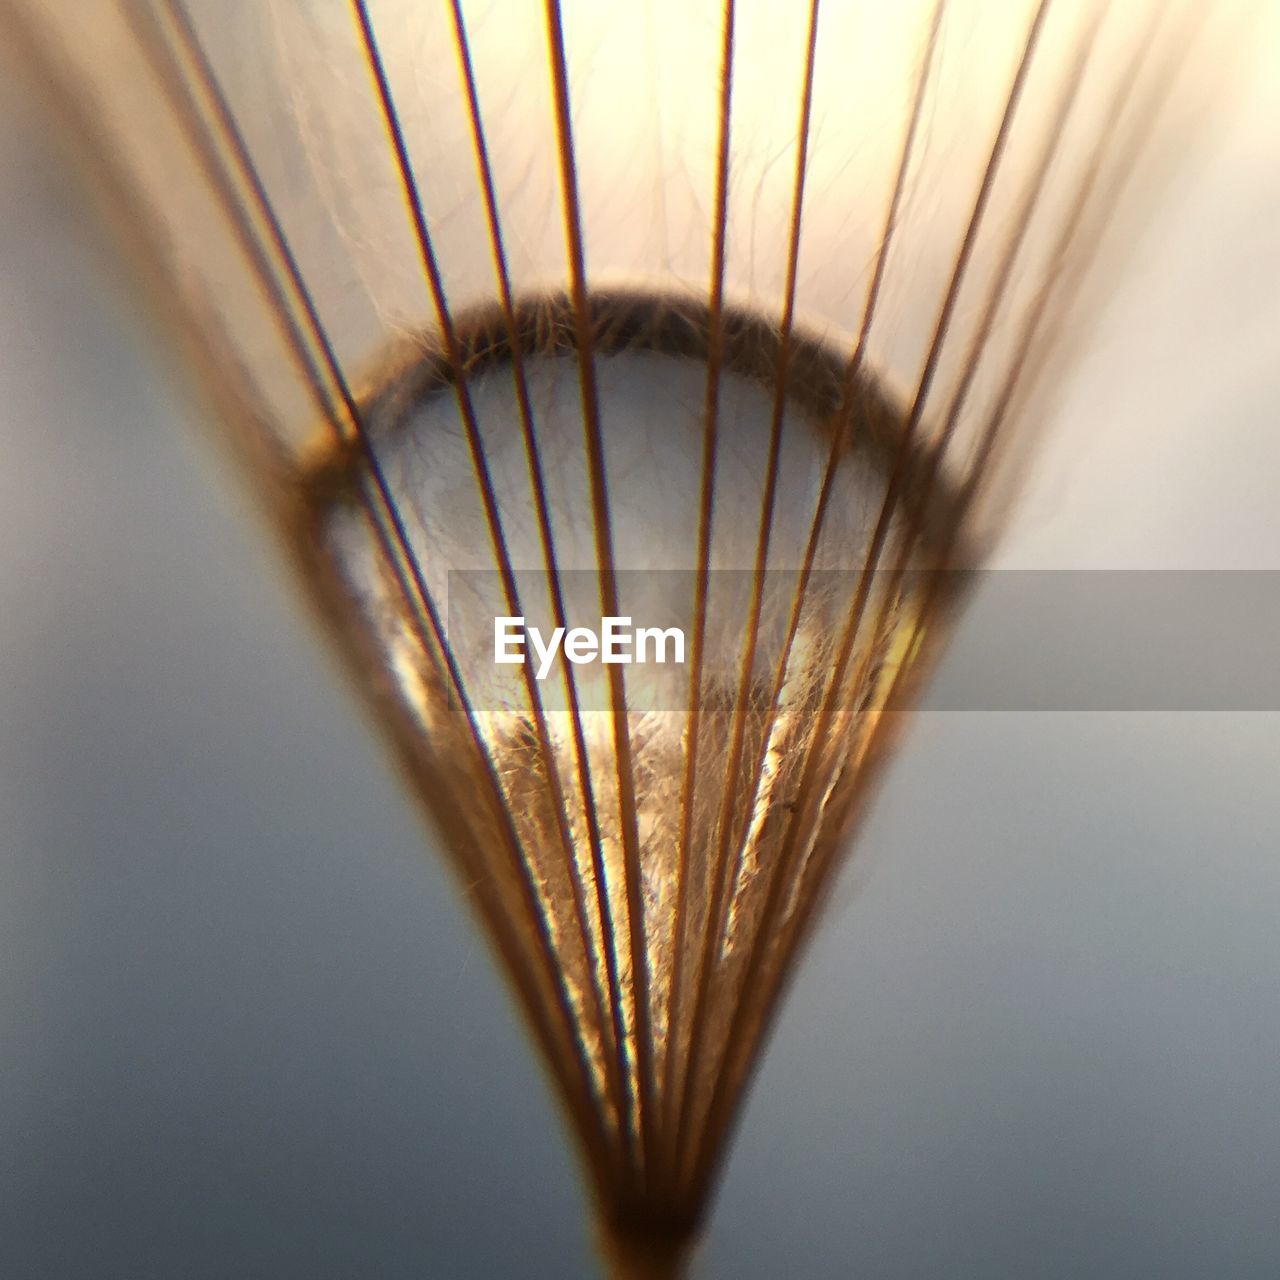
769	288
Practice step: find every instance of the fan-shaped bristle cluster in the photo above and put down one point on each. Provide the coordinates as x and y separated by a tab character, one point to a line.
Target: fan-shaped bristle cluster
724	312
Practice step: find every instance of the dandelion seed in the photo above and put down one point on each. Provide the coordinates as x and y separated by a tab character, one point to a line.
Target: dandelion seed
721	317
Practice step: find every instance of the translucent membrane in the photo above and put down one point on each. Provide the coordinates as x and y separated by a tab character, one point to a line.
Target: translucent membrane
729	311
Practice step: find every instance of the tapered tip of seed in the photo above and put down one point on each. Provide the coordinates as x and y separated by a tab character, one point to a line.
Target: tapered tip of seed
647	1249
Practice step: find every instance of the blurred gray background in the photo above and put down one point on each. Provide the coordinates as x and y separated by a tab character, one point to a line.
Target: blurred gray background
246	1029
